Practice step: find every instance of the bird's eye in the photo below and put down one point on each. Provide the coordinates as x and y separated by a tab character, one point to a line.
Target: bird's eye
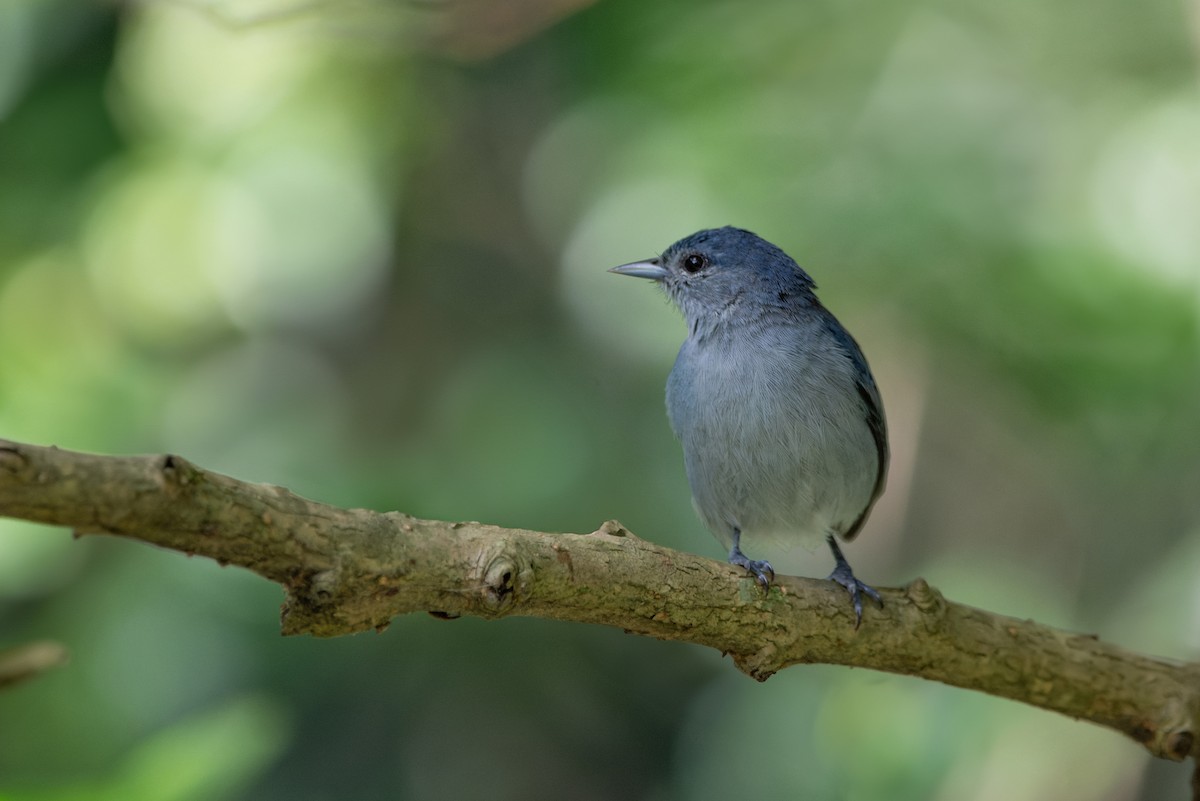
694	263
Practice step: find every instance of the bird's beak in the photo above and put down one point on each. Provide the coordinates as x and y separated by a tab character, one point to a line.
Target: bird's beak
650	268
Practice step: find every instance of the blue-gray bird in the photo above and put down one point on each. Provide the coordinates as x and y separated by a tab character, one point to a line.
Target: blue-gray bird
781	422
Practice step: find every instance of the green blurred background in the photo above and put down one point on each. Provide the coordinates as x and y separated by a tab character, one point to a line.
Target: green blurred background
359	248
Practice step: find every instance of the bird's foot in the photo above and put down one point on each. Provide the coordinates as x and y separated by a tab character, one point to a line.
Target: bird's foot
761	569
842	574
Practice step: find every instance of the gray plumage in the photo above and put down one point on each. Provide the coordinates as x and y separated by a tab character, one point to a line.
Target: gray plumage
780	420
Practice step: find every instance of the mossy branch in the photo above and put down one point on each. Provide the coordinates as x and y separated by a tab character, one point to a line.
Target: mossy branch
349	570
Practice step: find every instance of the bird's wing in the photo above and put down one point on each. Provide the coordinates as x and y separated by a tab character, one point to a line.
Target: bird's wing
873	412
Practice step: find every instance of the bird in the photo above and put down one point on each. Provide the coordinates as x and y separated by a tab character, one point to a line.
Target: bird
781	423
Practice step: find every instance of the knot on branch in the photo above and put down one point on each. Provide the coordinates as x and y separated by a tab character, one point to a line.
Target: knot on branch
177	472
1172	737
760	665
1179	744
614	528
928	600
502	580
313	605
1168	735
323	587
11	458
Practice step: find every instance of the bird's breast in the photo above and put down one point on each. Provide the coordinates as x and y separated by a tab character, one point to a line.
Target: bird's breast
773	433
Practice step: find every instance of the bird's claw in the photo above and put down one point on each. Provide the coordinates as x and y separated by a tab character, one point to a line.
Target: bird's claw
761	569
842	574
857	589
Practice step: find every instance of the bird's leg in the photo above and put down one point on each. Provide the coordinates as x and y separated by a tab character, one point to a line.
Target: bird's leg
759	568
843	575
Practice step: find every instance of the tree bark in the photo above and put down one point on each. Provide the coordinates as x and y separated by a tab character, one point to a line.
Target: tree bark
348	570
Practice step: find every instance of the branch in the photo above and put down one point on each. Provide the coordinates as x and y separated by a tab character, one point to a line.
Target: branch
349	570
29	661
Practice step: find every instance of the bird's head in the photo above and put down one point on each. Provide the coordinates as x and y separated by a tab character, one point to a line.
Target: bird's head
723	275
